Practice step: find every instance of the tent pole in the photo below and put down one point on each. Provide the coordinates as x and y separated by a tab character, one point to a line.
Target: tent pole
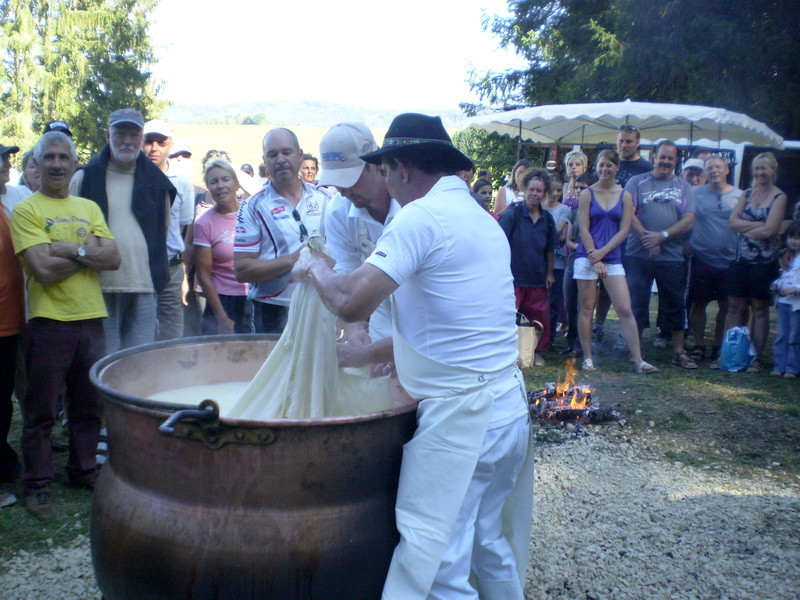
691	133
719	137
519	141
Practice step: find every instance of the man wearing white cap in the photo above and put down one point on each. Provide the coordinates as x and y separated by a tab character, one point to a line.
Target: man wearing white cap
466	482
357	215
157	147
692	172
135	197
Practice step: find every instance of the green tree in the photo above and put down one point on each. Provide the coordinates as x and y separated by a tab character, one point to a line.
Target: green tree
494	152
75	60
743	56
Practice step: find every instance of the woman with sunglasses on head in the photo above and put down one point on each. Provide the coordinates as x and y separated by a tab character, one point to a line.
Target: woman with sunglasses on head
757	219
227	308
604	218
514	191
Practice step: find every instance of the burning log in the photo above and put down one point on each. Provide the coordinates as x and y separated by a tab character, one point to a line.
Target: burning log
565	401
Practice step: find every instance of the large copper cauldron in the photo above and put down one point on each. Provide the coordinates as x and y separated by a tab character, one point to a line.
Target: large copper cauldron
235	509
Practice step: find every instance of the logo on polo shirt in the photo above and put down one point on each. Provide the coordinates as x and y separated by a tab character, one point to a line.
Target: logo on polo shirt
379	253
277	209
312	206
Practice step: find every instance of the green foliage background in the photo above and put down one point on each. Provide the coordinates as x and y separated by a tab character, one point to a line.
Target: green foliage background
74	60
742	56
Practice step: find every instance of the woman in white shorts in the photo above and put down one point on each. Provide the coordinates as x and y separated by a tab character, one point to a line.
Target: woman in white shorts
604	216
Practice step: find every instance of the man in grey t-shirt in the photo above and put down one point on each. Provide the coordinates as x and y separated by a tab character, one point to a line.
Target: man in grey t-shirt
713	245
664	214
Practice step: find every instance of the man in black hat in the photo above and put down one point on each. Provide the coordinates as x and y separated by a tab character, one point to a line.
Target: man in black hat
446	263
57	126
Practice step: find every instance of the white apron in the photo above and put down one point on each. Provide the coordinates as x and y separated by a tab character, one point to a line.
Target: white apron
438	464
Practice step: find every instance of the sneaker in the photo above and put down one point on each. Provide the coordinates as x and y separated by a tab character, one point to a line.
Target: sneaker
715	365
621	344
538	361
789	376
7	499
39	505
776	374
660	342
588	365
646	368
755	367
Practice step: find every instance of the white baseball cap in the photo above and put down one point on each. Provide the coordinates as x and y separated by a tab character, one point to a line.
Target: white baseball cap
340	149
158	127
693	163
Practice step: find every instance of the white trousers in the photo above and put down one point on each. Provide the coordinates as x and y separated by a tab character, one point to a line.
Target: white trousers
478	543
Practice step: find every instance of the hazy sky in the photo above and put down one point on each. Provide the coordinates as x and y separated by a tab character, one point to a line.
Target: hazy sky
405	55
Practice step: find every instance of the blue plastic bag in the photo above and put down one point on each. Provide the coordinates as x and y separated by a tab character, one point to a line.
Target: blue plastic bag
737	350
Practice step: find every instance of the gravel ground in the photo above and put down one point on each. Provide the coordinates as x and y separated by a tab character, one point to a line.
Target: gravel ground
614	521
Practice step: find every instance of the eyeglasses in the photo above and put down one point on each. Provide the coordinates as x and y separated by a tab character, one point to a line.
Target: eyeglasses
303	230
627	128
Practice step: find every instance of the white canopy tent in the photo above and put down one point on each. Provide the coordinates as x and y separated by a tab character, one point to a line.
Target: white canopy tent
598	123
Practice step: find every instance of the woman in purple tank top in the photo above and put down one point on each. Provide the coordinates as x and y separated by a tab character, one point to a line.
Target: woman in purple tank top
604	217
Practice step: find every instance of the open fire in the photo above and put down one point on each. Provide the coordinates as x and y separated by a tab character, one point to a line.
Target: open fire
563	401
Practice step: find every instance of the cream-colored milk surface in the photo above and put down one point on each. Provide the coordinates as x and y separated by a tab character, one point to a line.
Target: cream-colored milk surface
224	394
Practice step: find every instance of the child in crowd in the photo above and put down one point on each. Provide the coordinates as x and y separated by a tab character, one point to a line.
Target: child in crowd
786	349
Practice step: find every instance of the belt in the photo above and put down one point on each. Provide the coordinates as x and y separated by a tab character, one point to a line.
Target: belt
176	261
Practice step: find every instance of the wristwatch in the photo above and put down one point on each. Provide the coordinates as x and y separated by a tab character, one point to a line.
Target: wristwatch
80	253
665	234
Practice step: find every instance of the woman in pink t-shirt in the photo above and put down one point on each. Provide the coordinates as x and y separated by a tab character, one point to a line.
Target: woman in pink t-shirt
227	310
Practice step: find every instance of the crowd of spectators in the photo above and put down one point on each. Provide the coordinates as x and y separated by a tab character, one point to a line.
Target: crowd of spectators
155	256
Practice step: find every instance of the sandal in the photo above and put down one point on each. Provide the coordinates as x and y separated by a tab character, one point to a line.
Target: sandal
755	367
682	360
588	365
698	353
645	367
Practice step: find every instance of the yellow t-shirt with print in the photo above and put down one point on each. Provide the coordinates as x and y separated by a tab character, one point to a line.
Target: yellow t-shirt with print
40	219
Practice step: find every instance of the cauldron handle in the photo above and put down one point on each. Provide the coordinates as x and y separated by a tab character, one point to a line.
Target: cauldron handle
207	412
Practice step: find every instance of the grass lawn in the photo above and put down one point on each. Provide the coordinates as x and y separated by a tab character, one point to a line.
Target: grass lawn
708	419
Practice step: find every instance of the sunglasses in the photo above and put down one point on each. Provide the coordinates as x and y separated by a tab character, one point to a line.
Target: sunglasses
627	128
303	230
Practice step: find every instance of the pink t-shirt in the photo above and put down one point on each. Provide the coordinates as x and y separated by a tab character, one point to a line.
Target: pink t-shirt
215	230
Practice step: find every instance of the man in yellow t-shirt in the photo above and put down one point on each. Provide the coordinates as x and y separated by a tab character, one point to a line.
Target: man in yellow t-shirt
63	241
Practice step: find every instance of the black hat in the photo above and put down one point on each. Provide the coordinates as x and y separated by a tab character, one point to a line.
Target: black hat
413	131
57	126
8	150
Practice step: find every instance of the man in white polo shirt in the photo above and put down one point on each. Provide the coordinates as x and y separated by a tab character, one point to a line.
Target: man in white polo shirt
466	482
272	227
356	217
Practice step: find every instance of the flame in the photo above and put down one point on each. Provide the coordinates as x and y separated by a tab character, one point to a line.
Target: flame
568	393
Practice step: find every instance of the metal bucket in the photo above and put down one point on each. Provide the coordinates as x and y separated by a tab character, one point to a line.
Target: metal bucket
227	508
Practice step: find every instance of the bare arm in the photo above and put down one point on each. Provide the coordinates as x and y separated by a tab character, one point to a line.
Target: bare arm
652	239
351	296
51	265
101	253
500	201
764	231
248	267
203	262
358	356
584	222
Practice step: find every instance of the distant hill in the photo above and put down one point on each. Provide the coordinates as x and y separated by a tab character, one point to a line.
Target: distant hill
311	113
